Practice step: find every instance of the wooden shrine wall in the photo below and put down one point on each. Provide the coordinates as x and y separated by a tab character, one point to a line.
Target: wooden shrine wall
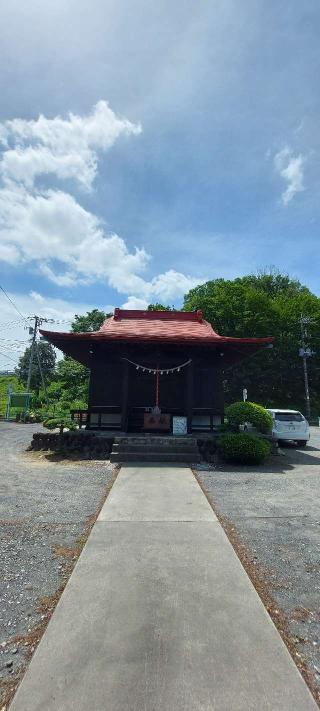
108	378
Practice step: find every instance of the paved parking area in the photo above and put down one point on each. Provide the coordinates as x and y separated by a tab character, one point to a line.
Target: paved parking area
272	515
46	510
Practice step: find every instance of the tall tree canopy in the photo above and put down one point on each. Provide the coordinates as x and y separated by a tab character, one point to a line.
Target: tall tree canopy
267	304
70	384
91	321
160	307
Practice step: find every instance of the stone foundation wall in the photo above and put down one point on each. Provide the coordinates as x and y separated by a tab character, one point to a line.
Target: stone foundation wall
73	444
94	446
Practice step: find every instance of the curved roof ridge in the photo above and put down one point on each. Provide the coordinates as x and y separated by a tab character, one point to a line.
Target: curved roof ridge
158	323
155	326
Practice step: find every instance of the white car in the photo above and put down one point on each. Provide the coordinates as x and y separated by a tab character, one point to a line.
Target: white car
290	425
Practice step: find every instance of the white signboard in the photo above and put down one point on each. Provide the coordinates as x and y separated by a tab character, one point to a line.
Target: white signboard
179	425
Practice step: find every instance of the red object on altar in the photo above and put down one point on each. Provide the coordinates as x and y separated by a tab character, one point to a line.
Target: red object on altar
152	421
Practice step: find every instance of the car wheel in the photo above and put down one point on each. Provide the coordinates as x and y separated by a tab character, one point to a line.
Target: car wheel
301	442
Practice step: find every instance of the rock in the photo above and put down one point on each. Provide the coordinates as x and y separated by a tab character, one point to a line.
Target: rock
9	664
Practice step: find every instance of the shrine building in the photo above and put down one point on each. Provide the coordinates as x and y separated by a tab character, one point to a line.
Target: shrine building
152	371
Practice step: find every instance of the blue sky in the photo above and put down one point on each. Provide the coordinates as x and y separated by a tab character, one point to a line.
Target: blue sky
177	143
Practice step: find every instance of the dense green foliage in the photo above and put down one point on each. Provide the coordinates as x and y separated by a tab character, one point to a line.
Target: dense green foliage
6	382
60	422
240	412
243	448
47	358
160	307
70	385
267	304
90	322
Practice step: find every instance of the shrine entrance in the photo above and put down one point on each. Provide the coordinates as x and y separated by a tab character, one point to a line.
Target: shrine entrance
156	394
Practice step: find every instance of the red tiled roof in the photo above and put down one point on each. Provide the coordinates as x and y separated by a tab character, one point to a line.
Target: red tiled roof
157	325
164	326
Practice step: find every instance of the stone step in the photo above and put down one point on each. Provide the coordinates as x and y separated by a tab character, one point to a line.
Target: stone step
149	439
143	456
154	448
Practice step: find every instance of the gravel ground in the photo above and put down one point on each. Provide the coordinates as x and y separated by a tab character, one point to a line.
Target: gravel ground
46	511
272	517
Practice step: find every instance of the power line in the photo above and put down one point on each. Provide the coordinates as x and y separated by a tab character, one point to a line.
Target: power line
13	304
7	356
10	324
11	342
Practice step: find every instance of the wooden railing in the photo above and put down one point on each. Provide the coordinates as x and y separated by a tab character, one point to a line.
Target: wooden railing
108	417
104	417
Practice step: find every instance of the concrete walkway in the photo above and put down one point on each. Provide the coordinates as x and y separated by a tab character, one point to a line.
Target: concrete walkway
159	615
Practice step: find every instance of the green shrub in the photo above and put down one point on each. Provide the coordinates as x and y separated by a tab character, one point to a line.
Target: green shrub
240	412
243	448
62	422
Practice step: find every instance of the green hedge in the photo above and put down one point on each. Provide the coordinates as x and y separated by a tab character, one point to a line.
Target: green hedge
62	422
243	448
240	412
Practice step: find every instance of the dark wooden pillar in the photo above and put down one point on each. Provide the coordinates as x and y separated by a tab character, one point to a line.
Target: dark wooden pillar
189	396
91	384
124	398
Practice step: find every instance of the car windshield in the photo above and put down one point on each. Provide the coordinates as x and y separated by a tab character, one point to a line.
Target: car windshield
289	416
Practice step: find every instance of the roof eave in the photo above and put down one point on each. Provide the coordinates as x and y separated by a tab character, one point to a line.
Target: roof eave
96	336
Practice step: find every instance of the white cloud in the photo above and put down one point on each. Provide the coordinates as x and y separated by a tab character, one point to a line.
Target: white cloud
36	297
66	148
172	284
51	226
70	246
50	229
135	303
9	254
290	168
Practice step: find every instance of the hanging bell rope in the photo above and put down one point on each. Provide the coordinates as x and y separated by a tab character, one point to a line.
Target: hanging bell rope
158	370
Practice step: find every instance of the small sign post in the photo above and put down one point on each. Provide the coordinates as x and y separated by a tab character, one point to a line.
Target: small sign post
179	425
19	400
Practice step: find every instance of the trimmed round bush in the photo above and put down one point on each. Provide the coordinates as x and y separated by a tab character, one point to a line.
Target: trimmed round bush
60	422
243	448
240	412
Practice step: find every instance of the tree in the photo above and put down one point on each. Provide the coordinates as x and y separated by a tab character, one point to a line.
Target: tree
266	304
90	322
71	381
60	421
47	358
160	307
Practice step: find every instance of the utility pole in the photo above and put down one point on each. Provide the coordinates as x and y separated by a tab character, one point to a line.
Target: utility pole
38	321
304	353
41	373
34	336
